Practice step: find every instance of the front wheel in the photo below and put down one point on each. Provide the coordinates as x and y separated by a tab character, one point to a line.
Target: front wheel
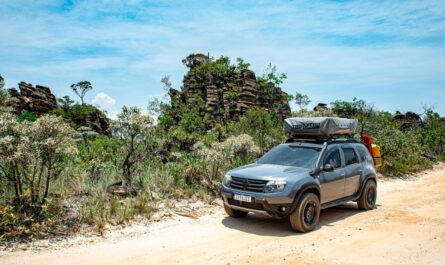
306	215
234	213
369	196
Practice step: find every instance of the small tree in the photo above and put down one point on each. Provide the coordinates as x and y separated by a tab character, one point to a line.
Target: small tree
33	154
241	64
167	83
65	102
134	131
302	100
81	89
272	76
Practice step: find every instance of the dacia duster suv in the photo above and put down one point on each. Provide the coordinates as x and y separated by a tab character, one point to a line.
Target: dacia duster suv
298	178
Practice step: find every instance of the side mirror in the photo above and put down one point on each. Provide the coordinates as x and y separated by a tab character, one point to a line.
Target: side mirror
328	167
314	172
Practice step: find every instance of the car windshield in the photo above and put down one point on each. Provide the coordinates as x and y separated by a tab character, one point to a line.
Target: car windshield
290	155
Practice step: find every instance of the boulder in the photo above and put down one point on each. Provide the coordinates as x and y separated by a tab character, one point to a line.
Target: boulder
321	107
121	190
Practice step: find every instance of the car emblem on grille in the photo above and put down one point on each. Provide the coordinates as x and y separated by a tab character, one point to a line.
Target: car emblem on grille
245	184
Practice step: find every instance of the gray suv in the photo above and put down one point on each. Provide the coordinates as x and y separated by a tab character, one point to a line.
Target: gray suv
298	178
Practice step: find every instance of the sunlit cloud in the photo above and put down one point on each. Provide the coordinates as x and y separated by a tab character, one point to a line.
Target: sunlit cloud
106	103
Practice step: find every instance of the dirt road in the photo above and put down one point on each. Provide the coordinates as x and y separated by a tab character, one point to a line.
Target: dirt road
408	227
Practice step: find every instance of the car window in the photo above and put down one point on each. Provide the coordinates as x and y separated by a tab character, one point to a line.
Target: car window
350	156
333	159
363	152
290	155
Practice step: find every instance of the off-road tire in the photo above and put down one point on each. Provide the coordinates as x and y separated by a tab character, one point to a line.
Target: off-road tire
368	197
307	214
234	213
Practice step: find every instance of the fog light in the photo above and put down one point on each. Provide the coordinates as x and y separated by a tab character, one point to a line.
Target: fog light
283	209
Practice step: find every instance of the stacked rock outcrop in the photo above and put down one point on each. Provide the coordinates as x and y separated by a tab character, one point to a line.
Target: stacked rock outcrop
38	99
226	94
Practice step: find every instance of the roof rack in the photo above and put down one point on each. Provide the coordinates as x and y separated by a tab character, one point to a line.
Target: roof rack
322	139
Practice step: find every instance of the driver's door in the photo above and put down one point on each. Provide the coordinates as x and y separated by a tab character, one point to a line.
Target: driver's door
332	182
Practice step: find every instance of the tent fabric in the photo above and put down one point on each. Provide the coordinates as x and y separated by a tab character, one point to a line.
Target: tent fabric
320	126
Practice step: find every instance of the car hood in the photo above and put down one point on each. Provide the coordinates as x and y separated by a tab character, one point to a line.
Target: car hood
268	171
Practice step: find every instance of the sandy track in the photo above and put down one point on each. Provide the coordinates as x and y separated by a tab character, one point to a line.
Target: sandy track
408	227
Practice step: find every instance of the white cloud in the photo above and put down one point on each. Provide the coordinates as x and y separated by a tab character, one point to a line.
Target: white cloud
106	103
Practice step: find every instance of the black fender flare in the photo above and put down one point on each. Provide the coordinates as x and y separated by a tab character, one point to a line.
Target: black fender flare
303	189
370	176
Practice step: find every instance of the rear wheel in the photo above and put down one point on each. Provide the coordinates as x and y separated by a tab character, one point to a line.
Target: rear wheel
306	215
369	196
234	213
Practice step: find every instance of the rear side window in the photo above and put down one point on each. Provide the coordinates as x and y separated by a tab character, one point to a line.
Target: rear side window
363	153
350	156
333	159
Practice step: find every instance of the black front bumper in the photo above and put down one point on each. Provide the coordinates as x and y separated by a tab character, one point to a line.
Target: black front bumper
259	206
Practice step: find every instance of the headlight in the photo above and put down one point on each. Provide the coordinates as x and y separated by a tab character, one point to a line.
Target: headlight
226	180
275	186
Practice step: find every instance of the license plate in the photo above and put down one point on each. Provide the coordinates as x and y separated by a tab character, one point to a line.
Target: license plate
243	198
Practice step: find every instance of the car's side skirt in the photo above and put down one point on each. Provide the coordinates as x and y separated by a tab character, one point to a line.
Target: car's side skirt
340	201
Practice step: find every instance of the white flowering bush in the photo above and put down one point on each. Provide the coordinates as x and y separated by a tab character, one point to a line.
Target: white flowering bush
220	153
33	154
6	101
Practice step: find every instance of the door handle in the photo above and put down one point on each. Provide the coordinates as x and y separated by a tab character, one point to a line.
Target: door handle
343	175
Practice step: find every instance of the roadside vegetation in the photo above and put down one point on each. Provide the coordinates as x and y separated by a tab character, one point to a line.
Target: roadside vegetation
57	176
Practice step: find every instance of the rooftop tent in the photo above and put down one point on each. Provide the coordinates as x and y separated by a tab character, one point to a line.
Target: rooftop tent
320	126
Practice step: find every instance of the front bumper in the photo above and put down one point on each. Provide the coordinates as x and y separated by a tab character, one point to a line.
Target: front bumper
277	205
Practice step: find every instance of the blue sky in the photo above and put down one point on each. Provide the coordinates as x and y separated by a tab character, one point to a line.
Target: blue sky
390	53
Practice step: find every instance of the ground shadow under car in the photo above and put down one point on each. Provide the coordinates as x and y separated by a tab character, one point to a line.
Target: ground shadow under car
267	226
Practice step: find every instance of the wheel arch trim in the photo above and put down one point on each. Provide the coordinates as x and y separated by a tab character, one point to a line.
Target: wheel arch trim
303	189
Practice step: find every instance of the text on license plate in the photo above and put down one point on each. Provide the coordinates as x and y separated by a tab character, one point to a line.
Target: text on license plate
243	198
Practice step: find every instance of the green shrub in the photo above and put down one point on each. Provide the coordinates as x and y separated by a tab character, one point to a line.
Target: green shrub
433	134
27	116
266	130
404	144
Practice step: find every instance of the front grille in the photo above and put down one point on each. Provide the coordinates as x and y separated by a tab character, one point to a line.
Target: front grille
249	205
248	184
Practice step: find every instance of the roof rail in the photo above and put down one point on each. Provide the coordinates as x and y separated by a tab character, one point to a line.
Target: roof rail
322	139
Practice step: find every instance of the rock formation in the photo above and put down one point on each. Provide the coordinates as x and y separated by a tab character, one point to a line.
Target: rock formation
38	99
226	94
408	116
